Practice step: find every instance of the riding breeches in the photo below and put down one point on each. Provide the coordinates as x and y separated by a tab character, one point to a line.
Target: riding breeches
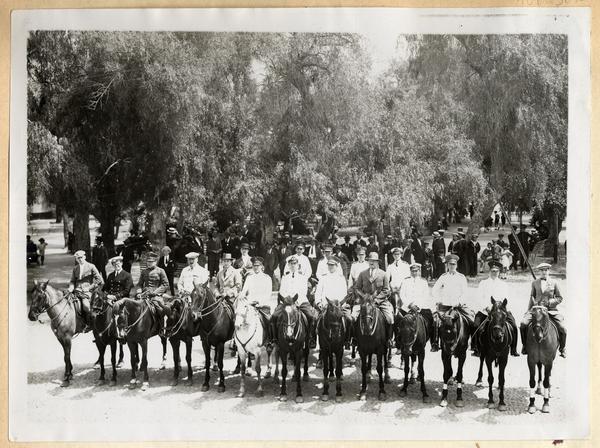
384	306
556	318
309	312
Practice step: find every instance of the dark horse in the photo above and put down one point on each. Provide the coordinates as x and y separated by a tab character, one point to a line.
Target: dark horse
333	330
136	322
541	343
216	322
65	321
292	338
371	337
181	327
105	334
454	334
413	330
495	339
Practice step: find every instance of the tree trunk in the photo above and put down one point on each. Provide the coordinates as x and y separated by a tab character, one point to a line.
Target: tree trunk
554	227
267	225
81	231
59	214
157	220
65	220
107	222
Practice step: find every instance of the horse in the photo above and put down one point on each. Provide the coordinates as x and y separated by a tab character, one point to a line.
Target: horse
136	322
105	334
180	326
371	338
333	331
541	344
495	339
250	337
65	321
216	322
454	334
413	330
292	338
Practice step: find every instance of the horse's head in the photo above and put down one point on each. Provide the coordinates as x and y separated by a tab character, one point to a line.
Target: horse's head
539	322
121	318
367	315
242	309
333	320
291	317
497	318
406	333
449	330
39	299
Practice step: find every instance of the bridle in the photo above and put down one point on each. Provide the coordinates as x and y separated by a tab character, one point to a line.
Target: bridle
337	325
245	322
416	333
458	333
374	319
104	310
544	324
179	324
293	324
126	317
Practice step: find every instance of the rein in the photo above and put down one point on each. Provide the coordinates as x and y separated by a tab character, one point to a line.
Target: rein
179	324
374	324
129	327
243	344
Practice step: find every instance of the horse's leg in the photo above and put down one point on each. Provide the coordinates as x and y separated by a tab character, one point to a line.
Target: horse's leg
121	355
501	369
133	356
206	348
189	341
459	379
276	360
163	363
488	364
331	366
413	362
479	382
386	360
364	364
547	372
113	362
257	368
447	362
370	359
305	352
381	361
221	352
144	365
175	343
422	376
326	367
298	356
101	350
283	392
531	409
539	390
66	345
406	364
339	359
242	355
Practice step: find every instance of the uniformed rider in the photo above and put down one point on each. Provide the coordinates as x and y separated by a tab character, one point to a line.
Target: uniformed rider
85	278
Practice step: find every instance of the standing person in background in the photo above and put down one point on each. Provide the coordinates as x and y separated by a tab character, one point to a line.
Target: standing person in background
525	239
358	266
343	260
271	264
407	251
438	247
496	220
213	254
372	247
386	251
322	267
460	249
486	256
358	243
348	249
167	264
503	220
416	248
226	243
313	252
41	247
244	262
100	257
473	248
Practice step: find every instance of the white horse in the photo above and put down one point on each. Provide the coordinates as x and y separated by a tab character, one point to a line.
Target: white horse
249	337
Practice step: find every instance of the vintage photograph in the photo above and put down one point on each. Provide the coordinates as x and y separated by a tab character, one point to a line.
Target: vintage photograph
248	234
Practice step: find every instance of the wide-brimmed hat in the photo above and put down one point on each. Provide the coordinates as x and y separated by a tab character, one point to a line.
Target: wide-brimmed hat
451	257
171	230
327	247
227	257
166	249
373	256
115	259
436	233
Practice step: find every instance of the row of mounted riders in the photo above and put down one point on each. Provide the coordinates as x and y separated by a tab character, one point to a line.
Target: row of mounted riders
217	321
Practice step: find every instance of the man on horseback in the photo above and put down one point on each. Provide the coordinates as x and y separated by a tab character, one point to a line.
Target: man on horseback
496	288
153	284
396	273
374	282
257	289
545	292
193	274
414	291
84	279
295	283
449	291
332	285
119	282
229	280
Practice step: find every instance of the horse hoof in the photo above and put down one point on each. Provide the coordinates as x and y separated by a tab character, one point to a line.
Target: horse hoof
539	391
382	396
119	364
241	394
478	384
204	388
189	383
426	399
531	409
502	407
221	389
411	381
305	377
444	403
362	397
450	381
96	366
132	384
491	406
324	397
65	383
112	383
299	399
145	386
260	393
546	408
267	375
338	399
215	368
100	383
276	379
283	398
402	393
174	383
460	404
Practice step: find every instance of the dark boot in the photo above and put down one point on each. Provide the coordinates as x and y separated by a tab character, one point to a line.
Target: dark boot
562	340
523	331
312	332
86	313
435	339
513	344
475	344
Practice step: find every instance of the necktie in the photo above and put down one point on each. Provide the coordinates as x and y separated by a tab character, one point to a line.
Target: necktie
396	264
80	272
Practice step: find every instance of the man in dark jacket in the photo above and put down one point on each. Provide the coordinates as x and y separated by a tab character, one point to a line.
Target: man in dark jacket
525	239
416	248
100	257
271	259
348	249
167	264
213	253
473	248
438	247
119	282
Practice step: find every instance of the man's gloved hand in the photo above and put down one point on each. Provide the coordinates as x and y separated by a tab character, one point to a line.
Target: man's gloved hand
71	288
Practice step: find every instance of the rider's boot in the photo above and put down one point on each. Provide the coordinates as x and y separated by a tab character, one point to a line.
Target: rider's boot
523	331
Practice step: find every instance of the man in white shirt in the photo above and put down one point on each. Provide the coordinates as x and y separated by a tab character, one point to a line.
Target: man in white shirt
492	287
414	291
193	274
294	283
332	285
302	260
449	292
322	268
244	263
257	289
396	273
358	266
